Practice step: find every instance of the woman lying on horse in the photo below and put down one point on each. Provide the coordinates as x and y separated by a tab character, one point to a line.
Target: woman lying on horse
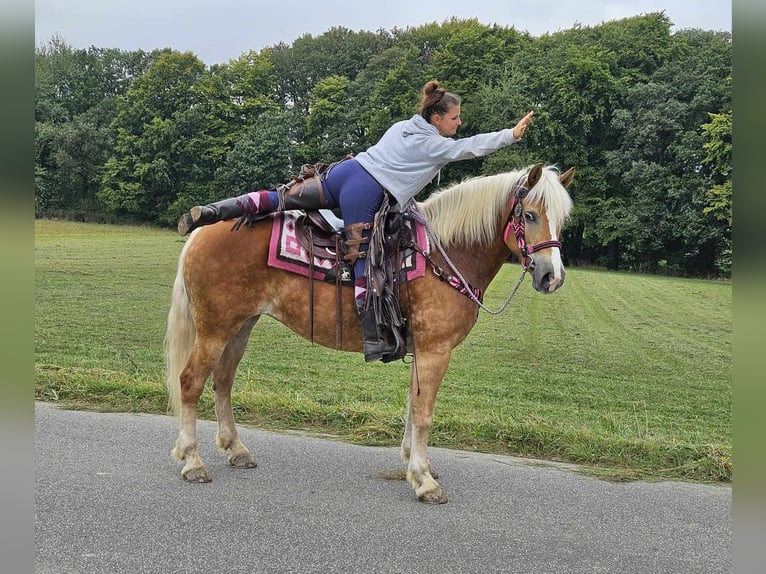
407	157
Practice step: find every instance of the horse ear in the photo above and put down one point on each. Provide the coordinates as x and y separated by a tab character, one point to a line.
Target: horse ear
534	175
567	177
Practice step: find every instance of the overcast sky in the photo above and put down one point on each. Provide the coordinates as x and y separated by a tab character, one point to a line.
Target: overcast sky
220	30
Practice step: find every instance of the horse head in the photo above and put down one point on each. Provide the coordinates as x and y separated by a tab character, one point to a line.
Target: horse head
539	207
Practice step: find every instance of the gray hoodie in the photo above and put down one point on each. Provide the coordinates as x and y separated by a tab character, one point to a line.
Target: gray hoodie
411	153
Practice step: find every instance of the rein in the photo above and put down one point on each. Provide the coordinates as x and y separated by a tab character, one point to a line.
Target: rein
457	280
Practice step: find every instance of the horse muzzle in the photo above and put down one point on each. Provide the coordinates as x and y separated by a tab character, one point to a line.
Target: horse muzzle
546	276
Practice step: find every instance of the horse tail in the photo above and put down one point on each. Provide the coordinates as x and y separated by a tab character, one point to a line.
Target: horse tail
179	337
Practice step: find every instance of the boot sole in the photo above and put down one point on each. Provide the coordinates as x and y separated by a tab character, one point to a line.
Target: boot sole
188	221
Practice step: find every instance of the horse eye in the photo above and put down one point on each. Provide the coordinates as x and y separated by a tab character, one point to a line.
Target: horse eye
529	216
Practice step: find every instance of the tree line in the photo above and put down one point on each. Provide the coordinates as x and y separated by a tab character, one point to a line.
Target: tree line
643	114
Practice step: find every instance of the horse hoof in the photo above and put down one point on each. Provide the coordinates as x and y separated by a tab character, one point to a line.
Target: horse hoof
242	461
433	497
198	474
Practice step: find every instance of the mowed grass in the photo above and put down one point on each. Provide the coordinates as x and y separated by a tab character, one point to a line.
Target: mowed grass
628	375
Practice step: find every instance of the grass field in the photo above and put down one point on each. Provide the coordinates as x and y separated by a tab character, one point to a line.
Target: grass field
629	375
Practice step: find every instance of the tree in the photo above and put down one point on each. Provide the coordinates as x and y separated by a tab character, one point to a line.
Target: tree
659	125
157	122
266	154
337	52
371	111
718	147
75	103
392	96
327	132
68	180
251	83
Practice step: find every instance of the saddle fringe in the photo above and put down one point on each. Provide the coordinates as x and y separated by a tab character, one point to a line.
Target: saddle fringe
383	266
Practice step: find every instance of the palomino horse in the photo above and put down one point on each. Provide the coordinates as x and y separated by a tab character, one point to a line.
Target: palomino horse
224	285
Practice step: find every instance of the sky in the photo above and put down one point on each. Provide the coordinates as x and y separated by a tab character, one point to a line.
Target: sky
220	30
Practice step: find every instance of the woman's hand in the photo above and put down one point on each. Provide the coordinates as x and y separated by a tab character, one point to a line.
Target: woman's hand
521	127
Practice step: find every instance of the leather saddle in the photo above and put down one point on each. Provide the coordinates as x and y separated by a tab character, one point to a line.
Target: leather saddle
322	235
321	232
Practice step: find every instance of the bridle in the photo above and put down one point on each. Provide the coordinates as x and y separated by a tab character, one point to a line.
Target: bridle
516	224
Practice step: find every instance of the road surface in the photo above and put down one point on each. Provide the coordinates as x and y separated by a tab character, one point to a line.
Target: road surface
109	499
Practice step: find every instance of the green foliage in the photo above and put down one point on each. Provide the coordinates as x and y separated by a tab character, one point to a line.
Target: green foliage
171	135
718	148
388	100
337	52
642	113
326	123
251	86
76	93
264	155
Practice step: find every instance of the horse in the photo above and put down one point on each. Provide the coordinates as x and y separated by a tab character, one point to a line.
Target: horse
223	285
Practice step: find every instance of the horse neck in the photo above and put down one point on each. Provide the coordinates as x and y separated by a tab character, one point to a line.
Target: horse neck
478	264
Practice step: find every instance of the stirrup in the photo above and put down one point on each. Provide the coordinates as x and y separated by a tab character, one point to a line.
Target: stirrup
400	348
380	354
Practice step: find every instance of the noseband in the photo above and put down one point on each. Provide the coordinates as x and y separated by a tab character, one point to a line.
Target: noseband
516	224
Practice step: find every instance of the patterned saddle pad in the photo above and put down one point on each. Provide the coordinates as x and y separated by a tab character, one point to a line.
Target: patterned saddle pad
287	252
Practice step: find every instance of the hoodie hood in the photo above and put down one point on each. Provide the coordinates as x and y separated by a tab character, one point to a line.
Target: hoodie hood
417	125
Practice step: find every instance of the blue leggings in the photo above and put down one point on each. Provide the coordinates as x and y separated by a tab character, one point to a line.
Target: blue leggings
359	196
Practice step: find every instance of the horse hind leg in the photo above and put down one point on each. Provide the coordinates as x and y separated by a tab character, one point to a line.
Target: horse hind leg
227	438
193	377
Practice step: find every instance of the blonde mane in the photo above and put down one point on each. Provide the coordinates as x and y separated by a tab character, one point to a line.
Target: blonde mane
467	213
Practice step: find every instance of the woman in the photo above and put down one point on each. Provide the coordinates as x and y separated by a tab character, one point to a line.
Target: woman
407	157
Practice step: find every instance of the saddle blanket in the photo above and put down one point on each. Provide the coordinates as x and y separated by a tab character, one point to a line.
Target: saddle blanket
287	253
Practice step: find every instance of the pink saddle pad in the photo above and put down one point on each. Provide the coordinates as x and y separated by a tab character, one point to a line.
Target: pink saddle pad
287	253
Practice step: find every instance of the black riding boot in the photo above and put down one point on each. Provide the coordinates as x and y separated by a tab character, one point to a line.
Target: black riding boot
376	346
298	194
213	212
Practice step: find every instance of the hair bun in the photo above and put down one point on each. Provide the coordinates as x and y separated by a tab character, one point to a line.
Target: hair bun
435	100
431	87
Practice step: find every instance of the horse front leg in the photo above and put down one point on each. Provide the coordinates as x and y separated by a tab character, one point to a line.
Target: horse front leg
193	378
227	438
406	447
425	378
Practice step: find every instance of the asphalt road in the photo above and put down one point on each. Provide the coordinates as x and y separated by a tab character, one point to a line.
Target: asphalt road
109	499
